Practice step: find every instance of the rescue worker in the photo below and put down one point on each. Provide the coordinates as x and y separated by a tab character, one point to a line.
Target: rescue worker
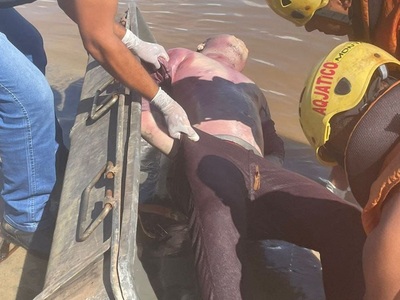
349	112
375	21
230	189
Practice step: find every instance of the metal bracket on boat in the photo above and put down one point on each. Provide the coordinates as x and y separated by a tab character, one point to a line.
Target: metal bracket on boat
99	109
109	202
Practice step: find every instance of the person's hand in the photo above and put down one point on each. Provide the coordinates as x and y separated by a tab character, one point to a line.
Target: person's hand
175	116
149	52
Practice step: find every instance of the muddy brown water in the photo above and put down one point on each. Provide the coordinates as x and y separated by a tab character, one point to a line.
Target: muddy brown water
281	55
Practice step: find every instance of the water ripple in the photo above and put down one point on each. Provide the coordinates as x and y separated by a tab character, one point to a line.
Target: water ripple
214	14
263	62
254	4
287	37
180	29
215	21
273	92
159	12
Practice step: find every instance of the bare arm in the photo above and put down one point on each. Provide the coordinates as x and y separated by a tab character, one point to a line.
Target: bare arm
101	37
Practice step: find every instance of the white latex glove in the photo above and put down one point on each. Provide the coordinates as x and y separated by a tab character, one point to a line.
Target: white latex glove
175	117
149	52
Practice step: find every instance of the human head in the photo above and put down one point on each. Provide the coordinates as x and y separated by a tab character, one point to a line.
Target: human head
341	94
227	46
328	16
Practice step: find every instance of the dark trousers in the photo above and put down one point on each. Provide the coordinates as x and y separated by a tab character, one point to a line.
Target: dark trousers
233	196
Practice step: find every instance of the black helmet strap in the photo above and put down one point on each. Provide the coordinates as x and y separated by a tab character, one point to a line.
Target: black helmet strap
373	137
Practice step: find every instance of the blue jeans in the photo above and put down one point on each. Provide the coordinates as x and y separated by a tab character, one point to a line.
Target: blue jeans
27	139
24	36
27	39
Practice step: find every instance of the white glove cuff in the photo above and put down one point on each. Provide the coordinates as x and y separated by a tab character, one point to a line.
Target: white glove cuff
130	40
161	100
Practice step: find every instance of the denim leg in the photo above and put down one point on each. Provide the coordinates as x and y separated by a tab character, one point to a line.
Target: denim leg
27	139
27	39
24	36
